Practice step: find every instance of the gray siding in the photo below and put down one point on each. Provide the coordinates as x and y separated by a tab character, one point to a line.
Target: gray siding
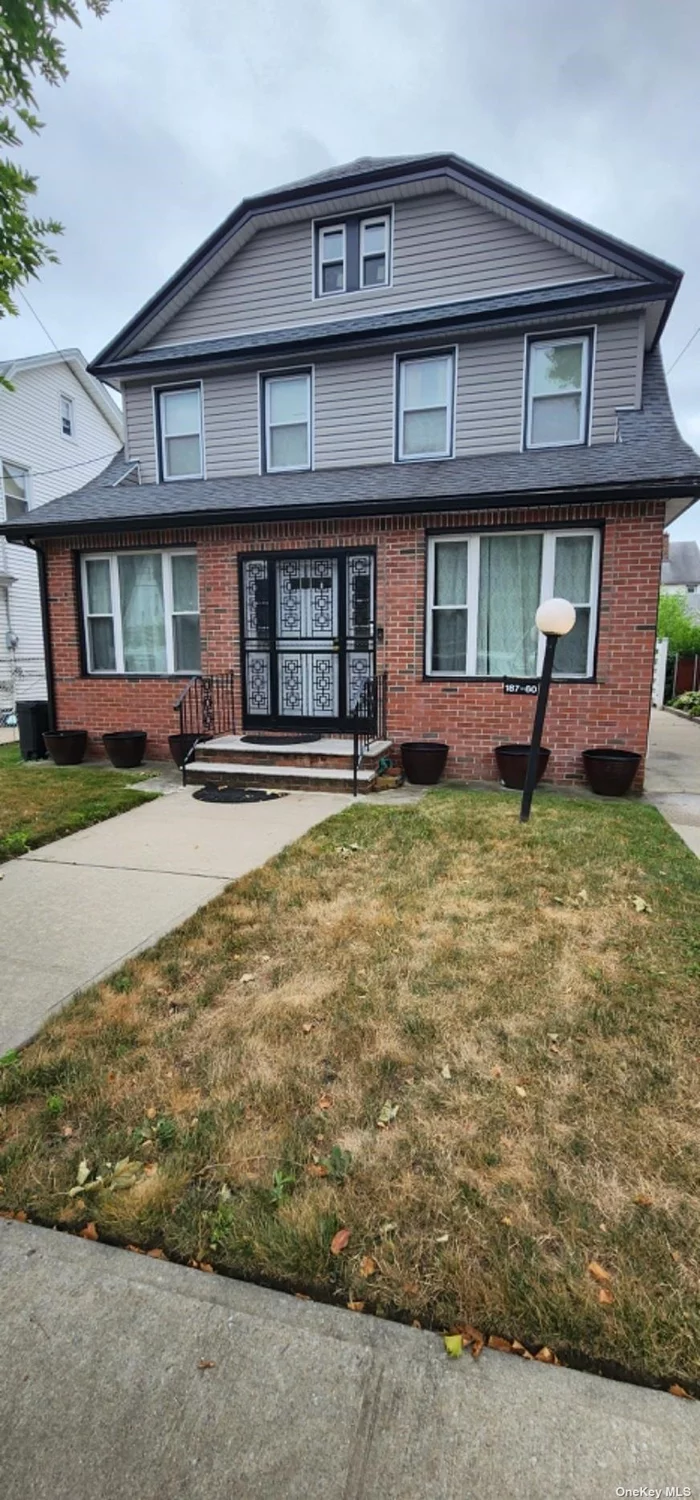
445	247
354	404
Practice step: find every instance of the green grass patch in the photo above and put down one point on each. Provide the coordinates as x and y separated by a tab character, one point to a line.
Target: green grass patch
40	802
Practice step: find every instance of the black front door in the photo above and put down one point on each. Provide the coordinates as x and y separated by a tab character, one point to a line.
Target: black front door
308	637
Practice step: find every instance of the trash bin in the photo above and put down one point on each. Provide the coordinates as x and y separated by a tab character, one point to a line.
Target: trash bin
33	719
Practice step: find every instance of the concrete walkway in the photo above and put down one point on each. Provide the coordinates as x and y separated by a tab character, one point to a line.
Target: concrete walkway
103	1394
672	779
73	911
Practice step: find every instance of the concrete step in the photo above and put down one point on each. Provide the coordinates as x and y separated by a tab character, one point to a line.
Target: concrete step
282	777
326	753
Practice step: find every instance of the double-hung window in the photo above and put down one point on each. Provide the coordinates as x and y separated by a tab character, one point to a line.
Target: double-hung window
141	612
374	252
67	417
484	590
425	407
331	259
287	412
15	487
558	385
180	430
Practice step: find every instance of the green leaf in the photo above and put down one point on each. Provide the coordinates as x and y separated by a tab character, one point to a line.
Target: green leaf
453	1344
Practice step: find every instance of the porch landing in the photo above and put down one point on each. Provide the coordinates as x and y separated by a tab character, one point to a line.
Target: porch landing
325	764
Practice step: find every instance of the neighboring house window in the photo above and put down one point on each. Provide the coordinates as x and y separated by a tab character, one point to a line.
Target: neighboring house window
425	407
558	382
287	412
353	256
180	426
15	484
483	592
67	418
142	612
331	249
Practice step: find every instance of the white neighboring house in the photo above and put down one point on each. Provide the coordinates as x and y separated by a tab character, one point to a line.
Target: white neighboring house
59	427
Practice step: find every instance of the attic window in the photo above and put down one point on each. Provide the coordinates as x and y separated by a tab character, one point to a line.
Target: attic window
354	255
67	418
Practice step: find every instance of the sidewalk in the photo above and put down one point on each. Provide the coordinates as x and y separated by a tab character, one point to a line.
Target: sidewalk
74	910
103	1394
672	779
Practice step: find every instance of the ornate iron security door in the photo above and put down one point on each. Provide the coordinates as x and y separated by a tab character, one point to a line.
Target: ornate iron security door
308	628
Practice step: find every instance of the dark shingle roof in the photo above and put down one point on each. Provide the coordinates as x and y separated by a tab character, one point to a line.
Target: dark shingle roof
651	453
350	169
682	564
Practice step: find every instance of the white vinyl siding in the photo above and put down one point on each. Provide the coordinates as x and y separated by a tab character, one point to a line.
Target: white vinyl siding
482	594
141	613
617	373
354	412
444	248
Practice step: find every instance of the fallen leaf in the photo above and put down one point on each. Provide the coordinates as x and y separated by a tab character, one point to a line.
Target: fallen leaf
582	897
302	1296
411	1288
368	1266
495	1342
606	1297
441	1239
598	1271
206	1364
496	1072
416	1323
340	1241
157	1254
82	1174
520	1349
356	1306
546	1357
315	1169
640	904
307	1027
89	1232
676	1255
387	1113
205	1266
150	1168
21	1216
135	1249
679	1390
445	1072
151	1112
246	978
477	1346
325	1102
520	1091
67	1131
453	1345
506	1220
643	1200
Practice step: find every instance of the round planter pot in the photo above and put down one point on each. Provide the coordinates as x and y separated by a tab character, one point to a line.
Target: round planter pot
125	748
424	761
512	764
66	746
181	746
610	773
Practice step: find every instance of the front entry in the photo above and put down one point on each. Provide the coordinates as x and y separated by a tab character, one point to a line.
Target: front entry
308	637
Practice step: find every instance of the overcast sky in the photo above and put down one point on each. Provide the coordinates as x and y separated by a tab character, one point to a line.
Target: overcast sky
176	109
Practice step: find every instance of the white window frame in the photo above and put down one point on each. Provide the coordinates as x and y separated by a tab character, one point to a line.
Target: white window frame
373	223
67	402
585	339
323	260
28	491
549	542
116	616
267	380
403	361
159	393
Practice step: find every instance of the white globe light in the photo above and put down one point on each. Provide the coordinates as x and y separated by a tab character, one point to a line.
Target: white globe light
555	617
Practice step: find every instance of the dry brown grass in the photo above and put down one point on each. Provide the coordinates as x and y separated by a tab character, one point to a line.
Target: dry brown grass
537	1034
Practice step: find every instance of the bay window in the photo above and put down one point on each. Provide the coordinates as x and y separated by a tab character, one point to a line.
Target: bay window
484	590
180	433
558	383
141	613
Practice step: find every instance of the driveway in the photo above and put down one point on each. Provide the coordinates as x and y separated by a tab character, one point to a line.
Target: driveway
672	779
72	912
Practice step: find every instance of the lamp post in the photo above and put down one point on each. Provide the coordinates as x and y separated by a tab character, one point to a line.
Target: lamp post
554	618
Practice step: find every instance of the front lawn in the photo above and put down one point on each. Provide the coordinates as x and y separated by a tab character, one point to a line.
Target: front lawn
40	802
471	1044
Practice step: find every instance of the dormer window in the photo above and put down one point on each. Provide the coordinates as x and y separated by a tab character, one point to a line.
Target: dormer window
354	255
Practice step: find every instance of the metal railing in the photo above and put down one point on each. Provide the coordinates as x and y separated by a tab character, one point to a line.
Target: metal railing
205	708
369	721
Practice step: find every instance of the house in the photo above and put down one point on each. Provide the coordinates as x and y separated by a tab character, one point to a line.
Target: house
680	569
58	427
370	423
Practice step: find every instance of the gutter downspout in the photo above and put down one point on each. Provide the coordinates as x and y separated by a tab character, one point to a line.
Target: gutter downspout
46	631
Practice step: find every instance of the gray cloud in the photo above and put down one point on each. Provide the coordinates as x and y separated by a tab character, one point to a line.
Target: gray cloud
174	111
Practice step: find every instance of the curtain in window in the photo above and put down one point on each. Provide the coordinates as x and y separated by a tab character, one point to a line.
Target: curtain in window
572	581
450	623
143	613
509	593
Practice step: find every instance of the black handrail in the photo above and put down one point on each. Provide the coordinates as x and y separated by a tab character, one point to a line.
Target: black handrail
206	708
369	721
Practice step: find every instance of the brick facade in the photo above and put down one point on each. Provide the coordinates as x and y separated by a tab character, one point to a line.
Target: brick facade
472	716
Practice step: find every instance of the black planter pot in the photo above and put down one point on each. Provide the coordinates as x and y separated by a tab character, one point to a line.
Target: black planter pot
512	764
125	748
66	746
610	773
181	746
424	761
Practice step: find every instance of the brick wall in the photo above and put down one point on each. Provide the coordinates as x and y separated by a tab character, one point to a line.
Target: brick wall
471	716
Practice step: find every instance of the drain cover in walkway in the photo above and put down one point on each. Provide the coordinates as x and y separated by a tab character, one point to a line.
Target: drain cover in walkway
211	793
276	739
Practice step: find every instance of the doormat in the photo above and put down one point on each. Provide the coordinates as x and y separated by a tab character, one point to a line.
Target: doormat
277	739
211	793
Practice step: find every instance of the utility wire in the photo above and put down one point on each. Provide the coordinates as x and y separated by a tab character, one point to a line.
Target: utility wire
685	346
43	327
80	464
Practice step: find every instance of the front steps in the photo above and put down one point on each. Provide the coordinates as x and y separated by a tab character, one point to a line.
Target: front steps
322	766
